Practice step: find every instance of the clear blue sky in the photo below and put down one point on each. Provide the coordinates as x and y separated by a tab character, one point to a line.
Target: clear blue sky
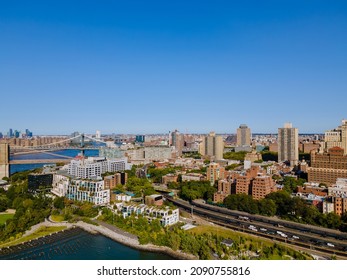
154	66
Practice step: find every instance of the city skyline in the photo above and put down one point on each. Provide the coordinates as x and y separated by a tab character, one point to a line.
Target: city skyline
154	67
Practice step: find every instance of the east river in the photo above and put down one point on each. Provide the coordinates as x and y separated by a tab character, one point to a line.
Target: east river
76	244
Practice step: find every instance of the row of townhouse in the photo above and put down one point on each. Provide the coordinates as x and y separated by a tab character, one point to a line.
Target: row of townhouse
167	215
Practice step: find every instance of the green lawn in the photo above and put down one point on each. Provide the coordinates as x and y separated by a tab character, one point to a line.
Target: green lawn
57	218
5	217
42	231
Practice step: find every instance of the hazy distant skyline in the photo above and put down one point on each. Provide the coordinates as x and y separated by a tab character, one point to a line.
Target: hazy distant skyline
155	66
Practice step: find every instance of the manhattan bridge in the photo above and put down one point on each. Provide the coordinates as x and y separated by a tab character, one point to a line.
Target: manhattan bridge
80	142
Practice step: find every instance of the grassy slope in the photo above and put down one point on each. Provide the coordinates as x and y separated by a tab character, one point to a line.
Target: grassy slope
5	217
42	231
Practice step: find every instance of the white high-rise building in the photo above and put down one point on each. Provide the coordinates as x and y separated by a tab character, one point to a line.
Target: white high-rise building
92	191
98	134
95	166
288	144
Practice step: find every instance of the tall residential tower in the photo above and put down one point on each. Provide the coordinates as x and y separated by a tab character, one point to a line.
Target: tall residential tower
243	136
177	140
212	146
288	144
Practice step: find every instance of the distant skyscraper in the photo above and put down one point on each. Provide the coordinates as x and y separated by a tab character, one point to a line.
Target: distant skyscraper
288	144
212	146
10	133
177	140
16	133
243	136
28	133
140	138
98	134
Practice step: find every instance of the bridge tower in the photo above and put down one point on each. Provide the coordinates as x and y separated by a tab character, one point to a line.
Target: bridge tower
4	160
82	144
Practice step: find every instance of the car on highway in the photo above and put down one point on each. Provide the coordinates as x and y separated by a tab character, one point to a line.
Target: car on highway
330	245
251	227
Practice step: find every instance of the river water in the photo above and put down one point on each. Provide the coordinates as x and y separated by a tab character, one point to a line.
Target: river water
76	244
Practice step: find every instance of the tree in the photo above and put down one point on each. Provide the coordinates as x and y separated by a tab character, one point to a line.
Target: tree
140	186
298	206
276	177
269	156
235	155
283	202
241	202
59	202
4	203
344	217
231	166
267	207
157	174
174	240
197	189
28	203
310	215
333	220
291	184
132	171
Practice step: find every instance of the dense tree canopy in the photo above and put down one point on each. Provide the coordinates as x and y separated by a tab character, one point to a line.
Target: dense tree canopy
140	186
235	155
197	189
283	205
156	174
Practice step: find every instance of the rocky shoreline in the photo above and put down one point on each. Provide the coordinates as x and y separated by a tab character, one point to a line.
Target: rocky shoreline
132	241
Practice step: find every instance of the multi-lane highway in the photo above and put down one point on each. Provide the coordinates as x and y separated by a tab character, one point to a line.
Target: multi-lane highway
330	242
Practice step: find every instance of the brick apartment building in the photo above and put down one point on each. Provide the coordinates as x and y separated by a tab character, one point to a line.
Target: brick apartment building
112	181
253	182
262	186
328	166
